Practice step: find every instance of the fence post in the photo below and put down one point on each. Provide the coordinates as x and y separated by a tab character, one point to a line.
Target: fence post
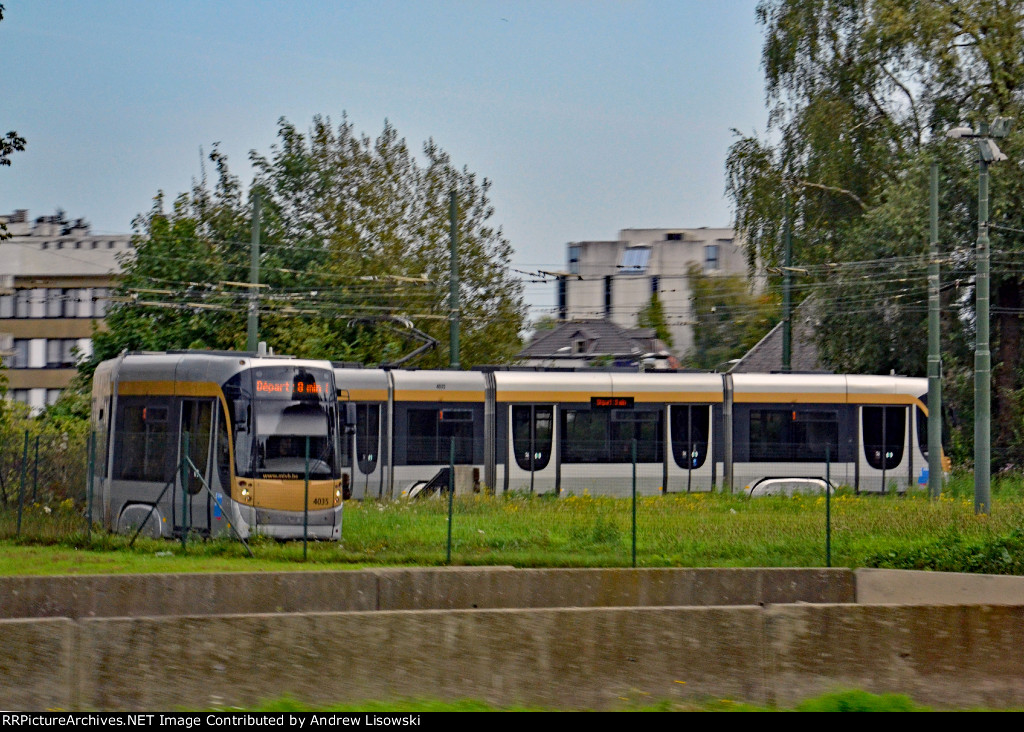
184	489
35	473
21	490
305	505
634	501
451	496
828	508
90	452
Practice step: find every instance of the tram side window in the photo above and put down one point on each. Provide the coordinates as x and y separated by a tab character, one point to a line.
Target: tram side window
793	435
531	435
922	430
430	433
885	432
690	430
223	452
367	437
591	436
143	443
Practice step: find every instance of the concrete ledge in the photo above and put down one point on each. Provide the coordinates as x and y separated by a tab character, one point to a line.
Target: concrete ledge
876	586
412	589
564	638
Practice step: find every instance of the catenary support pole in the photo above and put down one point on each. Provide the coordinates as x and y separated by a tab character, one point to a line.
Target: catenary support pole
453	298
252	329
934	343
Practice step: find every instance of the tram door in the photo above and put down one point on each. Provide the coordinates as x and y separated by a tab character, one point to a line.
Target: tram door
883	439
196	511
531	467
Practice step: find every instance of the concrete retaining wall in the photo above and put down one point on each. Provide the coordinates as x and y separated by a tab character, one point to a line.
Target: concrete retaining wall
947	656
412	589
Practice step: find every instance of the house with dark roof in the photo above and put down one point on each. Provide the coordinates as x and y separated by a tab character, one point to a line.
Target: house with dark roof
596	342
766	356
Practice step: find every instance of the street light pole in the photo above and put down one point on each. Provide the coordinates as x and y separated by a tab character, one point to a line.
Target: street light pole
988	152
982	354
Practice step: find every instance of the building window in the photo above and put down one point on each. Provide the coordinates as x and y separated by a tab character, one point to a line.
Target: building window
19	359
574	260
99	302
711	261
55	302
60	353
22	303
634	260
6	306
674	236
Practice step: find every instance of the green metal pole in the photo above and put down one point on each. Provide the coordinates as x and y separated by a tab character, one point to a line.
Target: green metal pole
934	343
634	502
305	505
787	301
21	490
35	473
184	489
828	508
451	495
252	330
453	297
982	355
90	478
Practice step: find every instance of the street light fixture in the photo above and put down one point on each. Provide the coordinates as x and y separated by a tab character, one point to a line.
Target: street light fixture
988	152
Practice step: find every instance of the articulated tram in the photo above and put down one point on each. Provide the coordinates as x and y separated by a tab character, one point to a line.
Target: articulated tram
203	441
214	442
573	432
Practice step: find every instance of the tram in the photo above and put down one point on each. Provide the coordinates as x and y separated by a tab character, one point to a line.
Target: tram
217	442
564	432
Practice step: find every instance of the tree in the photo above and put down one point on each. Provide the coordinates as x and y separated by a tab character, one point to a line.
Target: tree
730	319
10	143
860	94
354	242
653	316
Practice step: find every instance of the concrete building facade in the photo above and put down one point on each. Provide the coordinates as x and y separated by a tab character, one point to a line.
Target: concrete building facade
614	280
55	280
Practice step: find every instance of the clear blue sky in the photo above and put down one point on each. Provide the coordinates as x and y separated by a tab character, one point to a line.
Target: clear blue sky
588	117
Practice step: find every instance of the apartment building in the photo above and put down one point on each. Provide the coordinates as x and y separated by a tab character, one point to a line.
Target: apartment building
614	280
55	280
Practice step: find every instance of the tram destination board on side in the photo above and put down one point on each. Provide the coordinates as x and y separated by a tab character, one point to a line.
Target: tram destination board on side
609	402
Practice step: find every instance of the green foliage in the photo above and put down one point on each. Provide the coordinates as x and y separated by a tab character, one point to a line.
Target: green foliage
653	316
953	552
860	701
860	96
730	319
354	234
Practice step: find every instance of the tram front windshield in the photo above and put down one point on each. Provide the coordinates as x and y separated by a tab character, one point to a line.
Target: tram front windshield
294	423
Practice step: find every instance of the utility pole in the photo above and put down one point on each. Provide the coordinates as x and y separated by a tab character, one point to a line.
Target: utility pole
934	345
252	330
988	152
453	296
787	299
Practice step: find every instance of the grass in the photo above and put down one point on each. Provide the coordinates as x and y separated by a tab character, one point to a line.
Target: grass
680	530
846	700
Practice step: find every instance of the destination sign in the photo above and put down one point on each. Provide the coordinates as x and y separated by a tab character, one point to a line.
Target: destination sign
292	383
302	388
611	402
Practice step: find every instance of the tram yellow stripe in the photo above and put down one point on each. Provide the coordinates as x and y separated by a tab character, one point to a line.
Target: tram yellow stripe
168	388
362	395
